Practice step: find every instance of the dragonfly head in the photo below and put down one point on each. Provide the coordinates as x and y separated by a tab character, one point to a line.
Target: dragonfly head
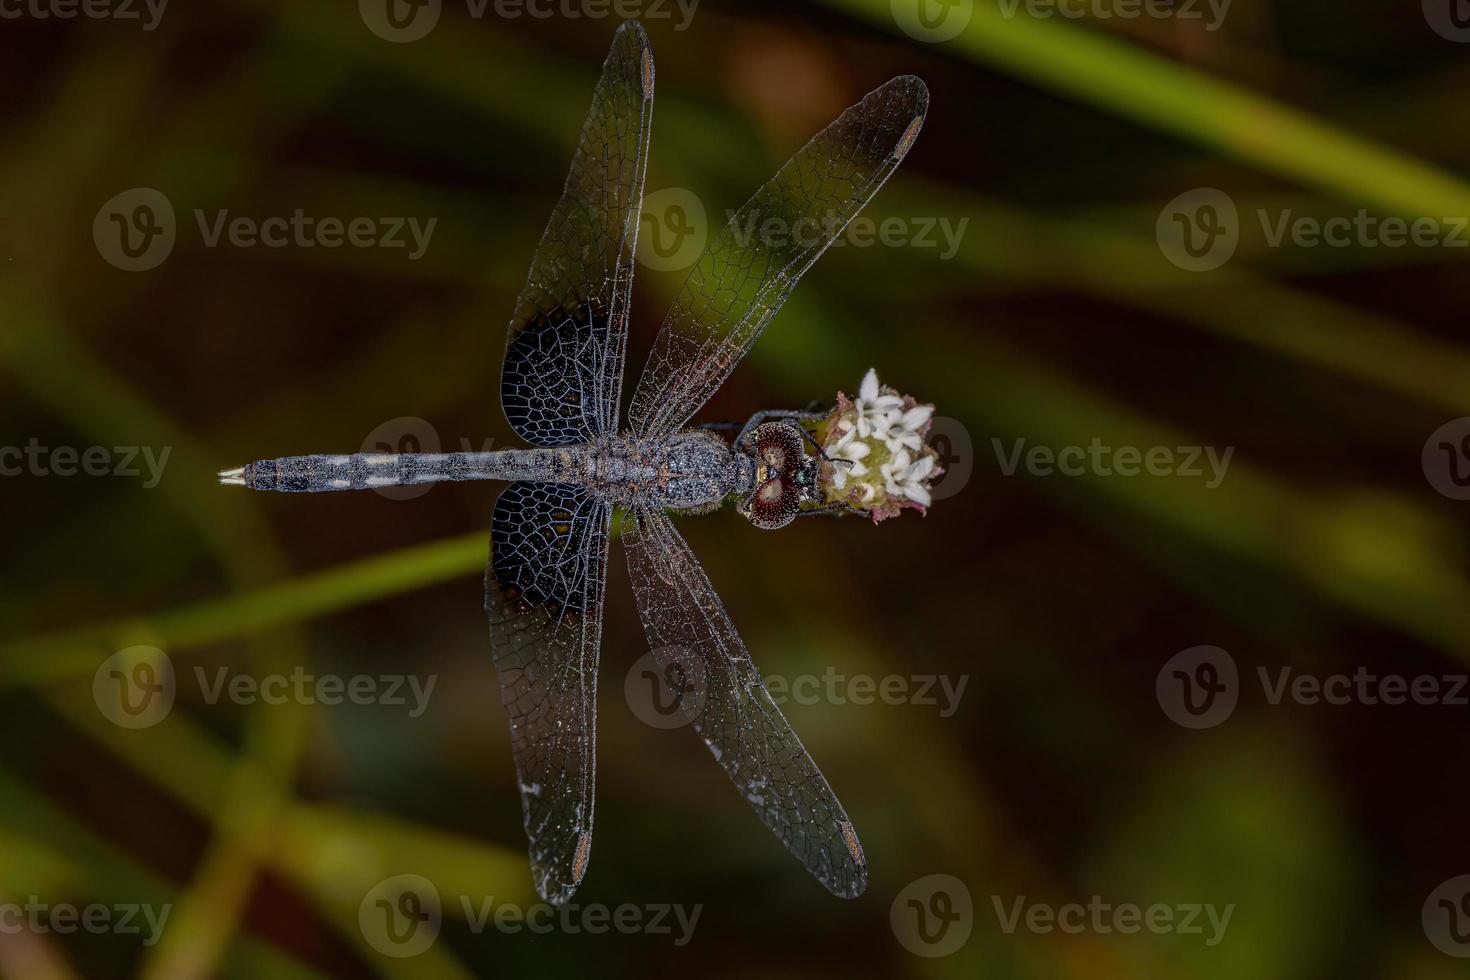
785	476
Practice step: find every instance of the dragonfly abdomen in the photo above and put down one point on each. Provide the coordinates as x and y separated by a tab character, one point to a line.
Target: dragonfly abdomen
367	471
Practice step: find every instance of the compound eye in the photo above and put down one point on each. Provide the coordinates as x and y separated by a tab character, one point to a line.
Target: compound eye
778	446
773	504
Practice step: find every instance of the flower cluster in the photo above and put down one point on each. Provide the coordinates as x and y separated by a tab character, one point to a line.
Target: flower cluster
881	465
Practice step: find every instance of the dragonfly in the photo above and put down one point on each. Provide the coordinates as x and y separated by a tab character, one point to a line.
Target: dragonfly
561	391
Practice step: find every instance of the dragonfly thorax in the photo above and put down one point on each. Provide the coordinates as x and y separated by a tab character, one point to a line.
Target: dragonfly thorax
693	470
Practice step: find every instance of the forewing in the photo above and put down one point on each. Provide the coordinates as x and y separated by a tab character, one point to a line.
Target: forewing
750	268
691	635
563	372
543	596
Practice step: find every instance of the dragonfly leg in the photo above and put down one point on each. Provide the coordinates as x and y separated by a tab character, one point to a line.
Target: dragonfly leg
785	415
837	508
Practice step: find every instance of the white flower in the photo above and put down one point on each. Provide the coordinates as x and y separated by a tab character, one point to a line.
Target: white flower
903	476
877	410
907	431
852	450
879	461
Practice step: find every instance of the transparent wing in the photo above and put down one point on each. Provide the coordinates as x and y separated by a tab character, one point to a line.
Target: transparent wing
563	372
543	596
728	705
750	268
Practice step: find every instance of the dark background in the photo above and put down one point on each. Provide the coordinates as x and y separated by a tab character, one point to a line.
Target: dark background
1060	319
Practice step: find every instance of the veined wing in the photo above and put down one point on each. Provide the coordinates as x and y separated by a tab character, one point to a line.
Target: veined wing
543	595
746	273
563	372
691	634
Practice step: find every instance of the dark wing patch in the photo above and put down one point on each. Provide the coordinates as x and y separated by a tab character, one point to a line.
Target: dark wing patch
545	386
543	597
564	358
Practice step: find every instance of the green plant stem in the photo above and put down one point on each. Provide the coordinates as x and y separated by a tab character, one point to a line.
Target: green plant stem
1109	73
57	656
